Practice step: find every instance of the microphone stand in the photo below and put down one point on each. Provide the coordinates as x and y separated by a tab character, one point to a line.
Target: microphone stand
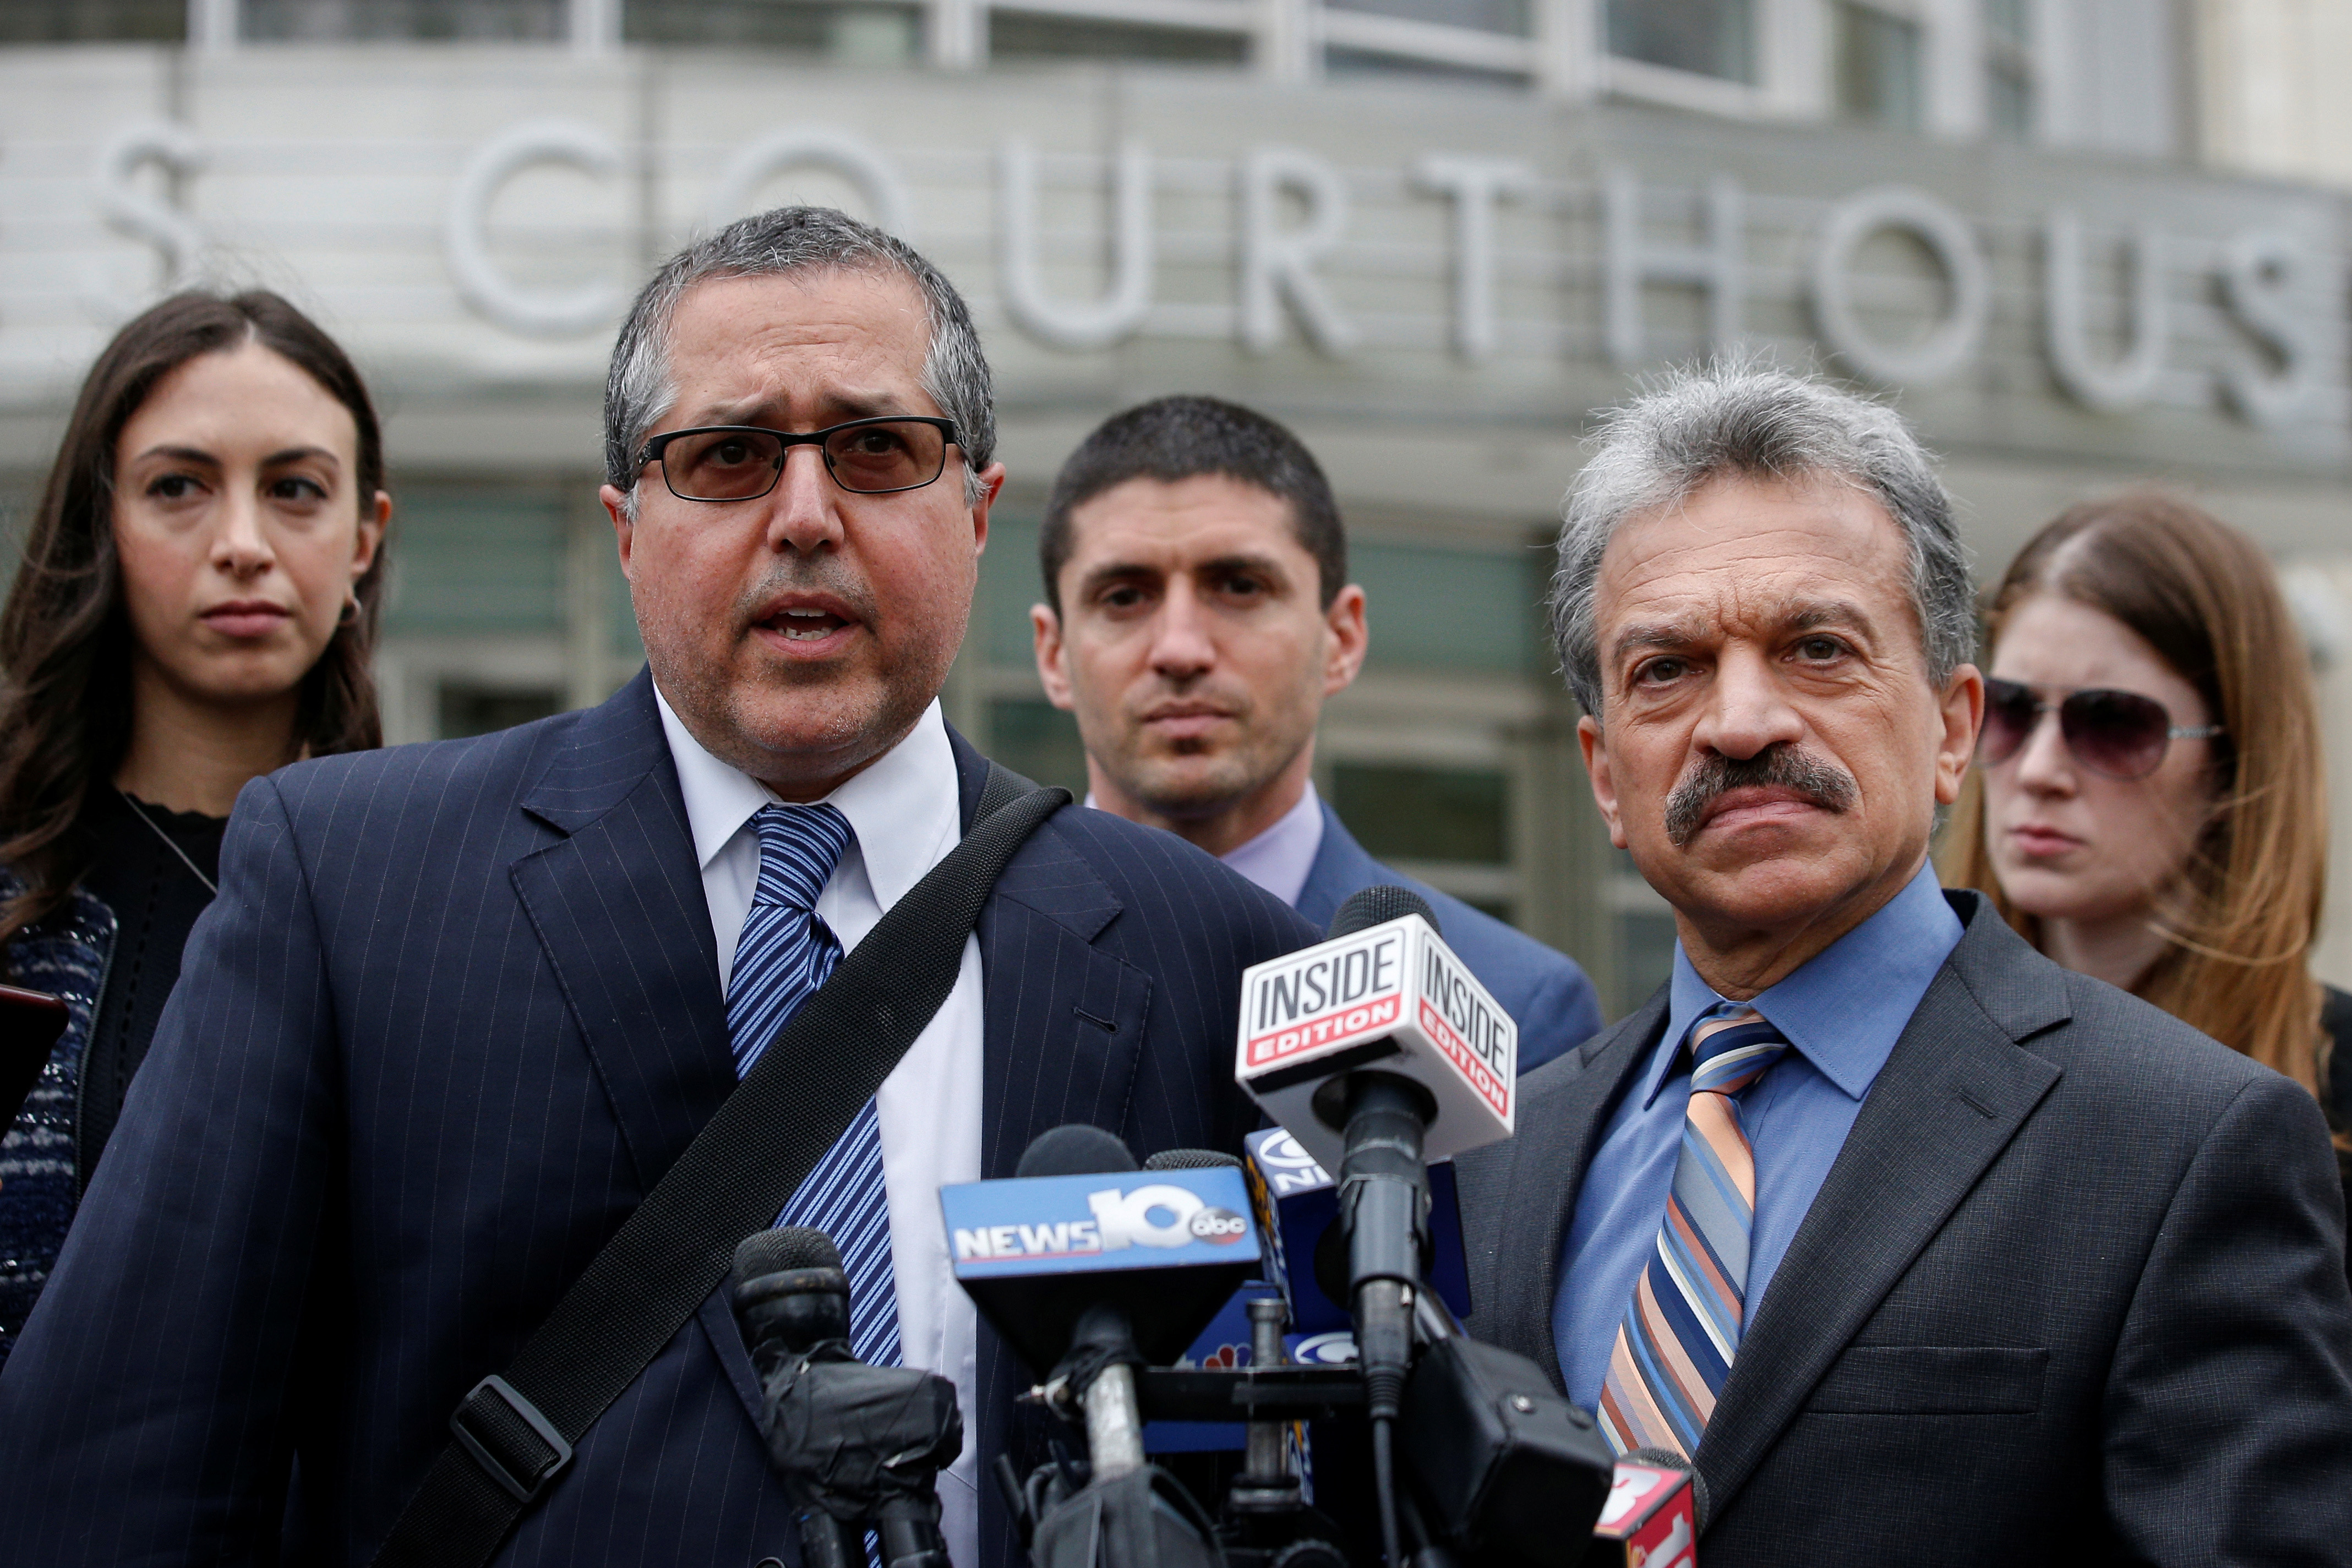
1384	1208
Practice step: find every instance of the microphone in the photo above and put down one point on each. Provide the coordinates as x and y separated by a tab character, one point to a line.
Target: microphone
1089	1268
1650	1518
791	1295
1382	990
1074	1148
1667	1459
1190	1160
1378	1046
1297	1205
853	1443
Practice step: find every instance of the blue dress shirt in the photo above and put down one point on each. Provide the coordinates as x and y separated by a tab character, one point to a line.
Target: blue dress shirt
1843	1012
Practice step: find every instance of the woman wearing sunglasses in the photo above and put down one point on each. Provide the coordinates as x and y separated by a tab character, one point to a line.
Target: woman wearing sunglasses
2148	804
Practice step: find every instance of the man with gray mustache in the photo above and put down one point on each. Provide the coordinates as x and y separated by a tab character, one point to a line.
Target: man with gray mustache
1777	768
1922	1249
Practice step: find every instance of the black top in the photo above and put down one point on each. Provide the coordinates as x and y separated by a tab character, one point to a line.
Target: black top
156	898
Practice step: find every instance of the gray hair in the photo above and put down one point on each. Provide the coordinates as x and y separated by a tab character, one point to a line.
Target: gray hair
1733	417
638	390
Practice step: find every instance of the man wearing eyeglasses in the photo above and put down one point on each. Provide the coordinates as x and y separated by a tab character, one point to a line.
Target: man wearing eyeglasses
1923	1250
461	1007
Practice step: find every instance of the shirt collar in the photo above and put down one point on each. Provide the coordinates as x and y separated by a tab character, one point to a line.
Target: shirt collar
1845	1007
1279	859
905	807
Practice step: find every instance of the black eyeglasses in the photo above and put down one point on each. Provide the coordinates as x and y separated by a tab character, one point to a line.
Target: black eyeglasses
743	462
2120	734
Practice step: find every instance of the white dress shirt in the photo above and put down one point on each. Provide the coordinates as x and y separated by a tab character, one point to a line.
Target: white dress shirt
905	812
1278	859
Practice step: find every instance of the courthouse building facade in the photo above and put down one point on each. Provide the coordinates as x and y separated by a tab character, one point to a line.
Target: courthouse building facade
1433	235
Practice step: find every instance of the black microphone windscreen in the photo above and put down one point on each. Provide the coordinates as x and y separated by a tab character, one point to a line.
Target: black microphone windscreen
1073	1149
1667	1459
1377	907
786	1247
1188	1160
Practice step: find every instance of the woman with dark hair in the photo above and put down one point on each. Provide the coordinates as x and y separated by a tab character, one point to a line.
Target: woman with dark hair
2148	804
196	606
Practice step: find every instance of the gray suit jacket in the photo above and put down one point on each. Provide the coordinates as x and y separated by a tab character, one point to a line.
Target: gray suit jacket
2074	1290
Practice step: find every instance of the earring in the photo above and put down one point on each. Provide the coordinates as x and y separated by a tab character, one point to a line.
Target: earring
351	610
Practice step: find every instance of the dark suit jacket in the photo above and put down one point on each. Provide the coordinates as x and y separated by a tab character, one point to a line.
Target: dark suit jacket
2073	1291
1544	991
454	1013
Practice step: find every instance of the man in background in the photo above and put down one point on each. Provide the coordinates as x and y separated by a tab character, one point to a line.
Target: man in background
1197	614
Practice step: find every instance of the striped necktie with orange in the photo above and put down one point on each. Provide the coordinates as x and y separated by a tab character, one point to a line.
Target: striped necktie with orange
1676	1345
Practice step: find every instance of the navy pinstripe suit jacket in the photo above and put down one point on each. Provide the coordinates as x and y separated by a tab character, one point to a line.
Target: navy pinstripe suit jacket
453	1014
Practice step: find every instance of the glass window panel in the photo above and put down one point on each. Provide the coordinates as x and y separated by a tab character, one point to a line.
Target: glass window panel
1009	585
468	709
2009	69
1877	67
1712	38
1486	15
2007	22
94	21
1449	608
1424	813
1034	738
481	563
852	34
334	20
2009	103
1342	65
1028	35
1645	944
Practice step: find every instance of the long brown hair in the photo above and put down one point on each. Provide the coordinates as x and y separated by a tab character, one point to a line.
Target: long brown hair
2242	920
65	642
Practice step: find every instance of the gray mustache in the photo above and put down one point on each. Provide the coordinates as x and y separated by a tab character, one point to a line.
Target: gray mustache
1824	784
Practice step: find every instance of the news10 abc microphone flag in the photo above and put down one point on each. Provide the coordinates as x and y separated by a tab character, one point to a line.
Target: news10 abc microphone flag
1391	996
1168	1248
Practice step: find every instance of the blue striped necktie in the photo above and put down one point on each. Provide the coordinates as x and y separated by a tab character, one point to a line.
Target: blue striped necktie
784	954
1681	1331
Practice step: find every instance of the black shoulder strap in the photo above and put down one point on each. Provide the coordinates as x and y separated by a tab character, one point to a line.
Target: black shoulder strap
513	1435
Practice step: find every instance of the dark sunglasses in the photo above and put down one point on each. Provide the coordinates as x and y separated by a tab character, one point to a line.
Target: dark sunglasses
2120	734
743	462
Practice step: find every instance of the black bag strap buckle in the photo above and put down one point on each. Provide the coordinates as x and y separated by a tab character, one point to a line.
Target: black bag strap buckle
496	1425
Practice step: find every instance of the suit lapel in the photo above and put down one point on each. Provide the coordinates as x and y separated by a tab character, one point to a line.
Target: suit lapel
1340	867
1541	1172
618	905
1953	1093
1064	1019
1064	1037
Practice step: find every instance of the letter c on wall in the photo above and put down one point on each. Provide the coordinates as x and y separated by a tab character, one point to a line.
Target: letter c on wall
1945	351
812	147
466	238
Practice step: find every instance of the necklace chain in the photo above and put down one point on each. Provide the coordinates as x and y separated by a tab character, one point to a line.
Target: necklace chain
169	842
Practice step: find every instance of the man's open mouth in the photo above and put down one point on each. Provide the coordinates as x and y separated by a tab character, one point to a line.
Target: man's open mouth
805	625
